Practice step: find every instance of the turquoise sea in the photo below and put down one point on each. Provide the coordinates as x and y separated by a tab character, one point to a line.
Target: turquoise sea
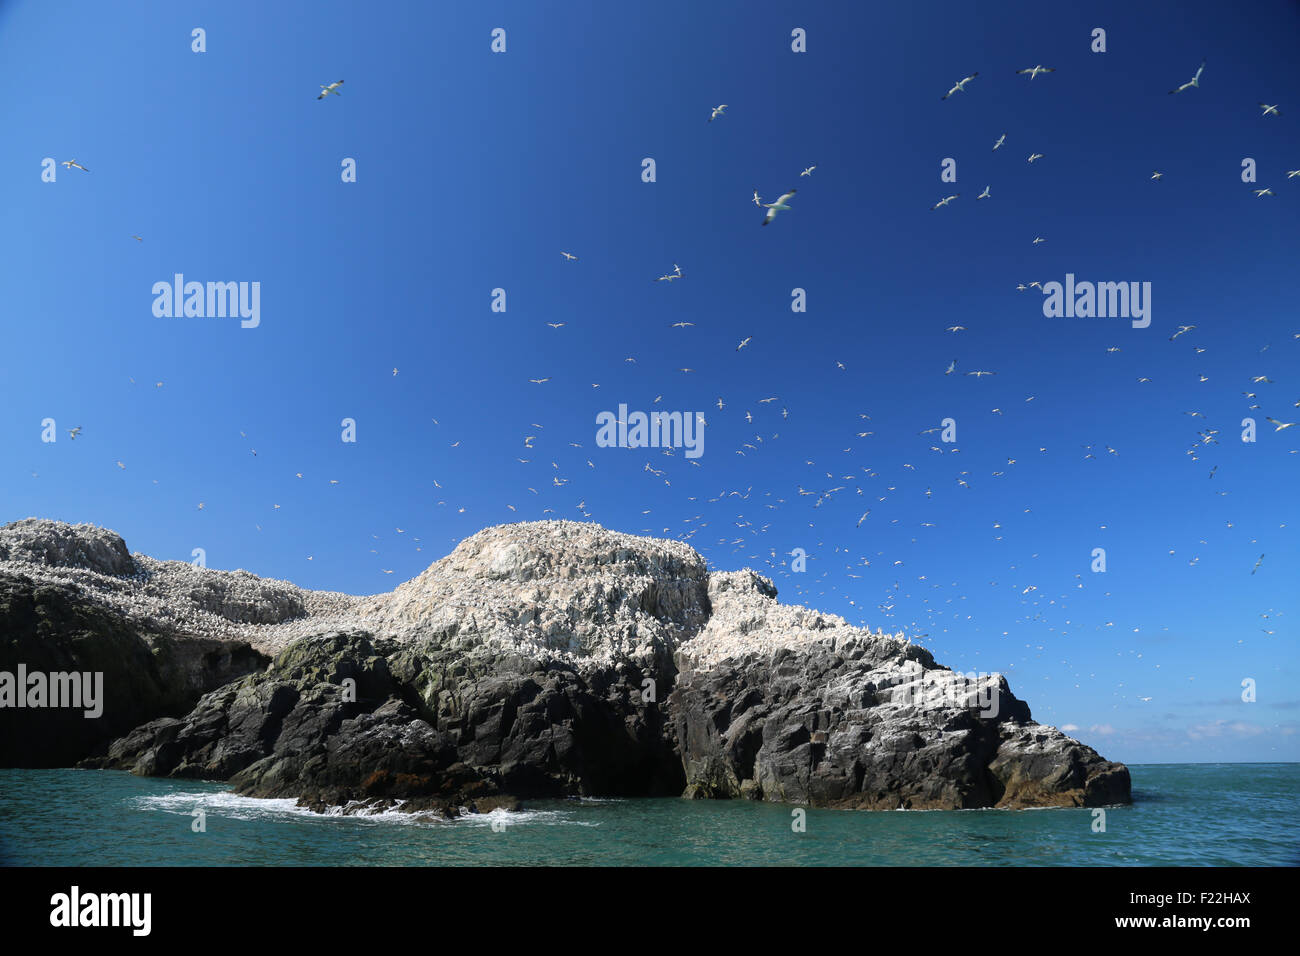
1182	815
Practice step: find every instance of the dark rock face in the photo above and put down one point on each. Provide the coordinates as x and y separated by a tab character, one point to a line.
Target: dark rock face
775	702
1038	766
50	628
853	724
415	726
823	730
548	730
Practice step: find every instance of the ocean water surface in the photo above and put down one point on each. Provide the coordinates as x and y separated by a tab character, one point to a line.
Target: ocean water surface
1182	815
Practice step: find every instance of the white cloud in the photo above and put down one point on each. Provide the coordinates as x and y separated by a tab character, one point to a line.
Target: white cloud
1224	728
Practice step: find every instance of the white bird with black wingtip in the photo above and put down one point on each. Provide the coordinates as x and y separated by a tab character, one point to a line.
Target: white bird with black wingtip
774	207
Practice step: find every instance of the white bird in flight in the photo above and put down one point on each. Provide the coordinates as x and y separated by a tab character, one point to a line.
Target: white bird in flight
1001	139
774	207
808	171
717	111
1194	81
73	164
945	201
1035	70
1261	193
984	194
959	86
567	256
1034	156
332	88
1269	109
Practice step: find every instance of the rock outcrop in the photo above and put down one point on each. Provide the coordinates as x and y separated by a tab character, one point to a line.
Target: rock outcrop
537	659
786	704
168	597
553	591
54	544
50	628
345	719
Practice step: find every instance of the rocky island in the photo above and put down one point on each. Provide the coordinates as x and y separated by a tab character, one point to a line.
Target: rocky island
539	659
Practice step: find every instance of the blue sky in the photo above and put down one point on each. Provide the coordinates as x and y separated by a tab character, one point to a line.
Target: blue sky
476	169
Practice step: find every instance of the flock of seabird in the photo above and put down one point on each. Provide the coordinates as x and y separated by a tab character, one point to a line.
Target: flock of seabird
841	479
777	561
